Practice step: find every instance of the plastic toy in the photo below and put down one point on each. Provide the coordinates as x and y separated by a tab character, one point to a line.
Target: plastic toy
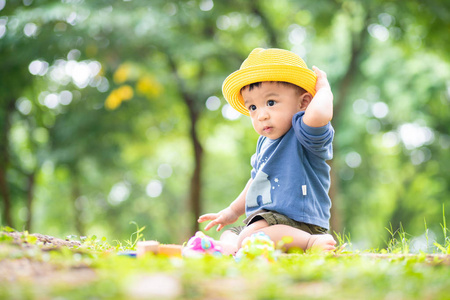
155	247
257	246
200	244
127	253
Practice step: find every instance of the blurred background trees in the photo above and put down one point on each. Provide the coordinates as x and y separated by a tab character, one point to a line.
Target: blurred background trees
111	111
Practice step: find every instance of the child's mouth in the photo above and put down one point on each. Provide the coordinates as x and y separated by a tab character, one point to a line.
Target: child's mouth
267	129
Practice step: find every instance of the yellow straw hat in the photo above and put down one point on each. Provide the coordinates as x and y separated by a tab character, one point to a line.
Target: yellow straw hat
267	65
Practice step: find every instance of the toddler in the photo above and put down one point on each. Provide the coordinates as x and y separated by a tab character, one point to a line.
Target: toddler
290	107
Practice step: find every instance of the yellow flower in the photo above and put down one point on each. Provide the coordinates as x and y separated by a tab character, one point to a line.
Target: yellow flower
125	92
148	86
122	73
113	101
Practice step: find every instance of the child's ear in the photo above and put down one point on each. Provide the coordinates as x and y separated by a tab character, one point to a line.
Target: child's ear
304	100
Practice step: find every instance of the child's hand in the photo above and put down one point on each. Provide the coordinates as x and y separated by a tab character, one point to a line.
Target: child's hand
320	111
322	81
222	218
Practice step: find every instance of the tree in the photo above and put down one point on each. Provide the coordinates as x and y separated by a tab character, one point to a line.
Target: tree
138	85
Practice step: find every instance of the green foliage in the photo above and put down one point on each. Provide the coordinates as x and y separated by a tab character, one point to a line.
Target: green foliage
398	242
132	242
95	270
120	149
344	241
7	229
445	246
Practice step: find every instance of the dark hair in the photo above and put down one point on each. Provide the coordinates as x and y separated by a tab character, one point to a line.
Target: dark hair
251	86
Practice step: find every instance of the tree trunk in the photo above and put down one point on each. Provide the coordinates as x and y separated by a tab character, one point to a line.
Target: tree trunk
196	179
4	190
195	193
336	212
272	35
4	162
77	205
30	196
358	44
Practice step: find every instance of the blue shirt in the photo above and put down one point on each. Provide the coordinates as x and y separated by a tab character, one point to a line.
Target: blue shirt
290	174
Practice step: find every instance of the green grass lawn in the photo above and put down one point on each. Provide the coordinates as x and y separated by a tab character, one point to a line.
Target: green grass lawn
92	269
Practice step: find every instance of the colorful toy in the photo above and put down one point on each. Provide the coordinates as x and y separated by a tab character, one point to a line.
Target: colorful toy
155	247
128	253
257	246
200	244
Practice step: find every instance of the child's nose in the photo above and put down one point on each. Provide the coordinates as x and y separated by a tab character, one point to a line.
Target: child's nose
263	115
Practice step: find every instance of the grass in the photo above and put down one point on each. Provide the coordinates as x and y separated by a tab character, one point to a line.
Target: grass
94	270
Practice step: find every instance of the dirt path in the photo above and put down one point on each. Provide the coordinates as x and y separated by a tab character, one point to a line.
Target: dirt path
47	242
27	257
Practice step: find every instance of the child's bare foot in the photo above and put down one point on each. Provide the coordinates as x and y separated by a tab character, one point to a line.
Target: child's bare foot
227	248
228	242
323	242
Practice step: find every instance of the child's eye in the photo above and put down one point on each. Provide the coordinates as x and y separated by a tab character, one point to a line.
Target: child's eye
252	107
271	103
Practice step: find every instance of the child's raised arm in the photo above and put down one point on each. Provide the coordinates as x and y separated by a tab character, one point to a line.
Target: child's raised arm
320	111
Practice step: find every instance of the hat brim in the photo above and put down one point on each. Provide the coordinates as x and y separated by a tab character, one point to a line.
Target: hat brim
231	89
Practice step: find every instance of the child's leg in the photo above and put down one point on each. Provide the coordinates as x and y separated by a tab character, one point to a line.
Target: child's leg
301	239
251	229
229	242
229	237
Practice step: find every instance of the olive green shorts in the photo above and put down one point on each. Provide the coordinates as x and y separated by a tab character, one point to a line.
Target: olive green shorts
274	218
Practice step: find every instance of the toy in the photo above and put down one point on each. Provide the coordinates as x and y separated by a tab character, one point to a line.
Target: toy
158	249
257	246
127	253
200	244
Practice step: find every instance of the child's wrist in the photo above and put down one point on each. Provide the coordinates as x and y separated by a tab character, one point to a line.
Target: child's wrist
234	211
